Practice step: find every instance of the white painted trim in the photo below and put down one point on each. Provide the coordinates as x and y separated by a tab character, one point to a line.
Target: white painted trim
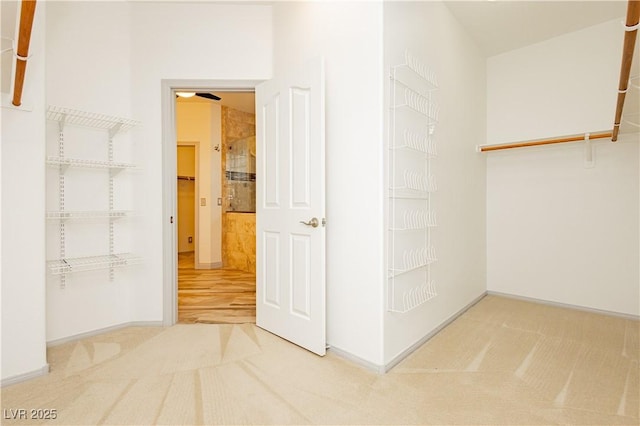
382	369
93	333
169	138
375	368
400	357
565	305
169	190
211	265
19	378
43	371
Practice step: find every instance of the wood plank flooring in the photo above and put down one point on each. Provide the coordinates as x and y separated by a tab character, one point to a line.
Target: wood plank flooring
214	296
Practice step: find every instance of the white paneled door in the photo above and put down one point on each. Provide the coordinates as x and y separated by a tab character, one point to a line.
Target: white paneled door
290	228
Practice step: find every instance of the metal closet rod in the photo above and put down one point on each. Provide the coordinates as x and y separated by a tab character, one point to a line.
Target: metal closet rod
27	12
563	139
631	31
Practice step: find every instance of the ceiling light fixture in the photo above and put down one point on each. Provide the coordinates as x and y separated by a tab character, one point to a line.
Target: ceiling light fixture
185	94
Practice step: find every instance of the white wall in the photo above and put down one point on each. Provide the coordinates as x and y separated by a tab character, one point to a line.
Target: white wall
88	69
556	230
349	36
23	208
430	32
111	57
200	122
210	41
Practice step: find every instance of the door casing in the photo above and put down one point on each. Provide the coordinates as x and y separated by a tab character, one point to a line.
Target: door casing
169	186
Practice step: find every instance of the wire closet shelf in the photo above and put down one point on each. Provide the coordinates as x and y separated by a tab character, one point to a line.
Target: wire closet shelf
90	119
88	164
85	215
91	263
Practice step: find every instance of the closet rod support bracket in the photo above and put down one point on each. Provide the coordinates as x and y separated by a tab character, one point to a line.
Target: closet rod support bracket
630	28
589	160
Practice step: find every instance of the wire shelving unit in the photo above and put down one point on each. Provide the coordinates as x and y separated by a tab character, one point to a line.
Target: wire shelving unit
112	126
414	115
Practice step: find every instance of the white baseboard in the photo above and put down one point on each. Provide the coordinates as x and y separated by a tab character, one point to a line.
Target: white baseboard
19	378
45	369
382	369
401	356
565	305
211	265
92	333
379	369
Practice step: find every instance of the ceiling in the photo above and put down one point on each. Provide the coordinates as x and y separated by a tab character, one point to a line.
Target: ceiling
8	13
500	26
243	101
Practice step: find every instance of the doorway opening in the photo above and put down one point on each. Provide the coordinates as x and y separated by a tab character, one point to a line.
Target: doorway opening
211	276
291	258
187	194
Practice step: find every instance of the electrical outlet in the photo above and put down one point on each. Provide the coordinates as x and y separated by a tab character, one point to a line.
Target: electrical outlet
203	201
190	240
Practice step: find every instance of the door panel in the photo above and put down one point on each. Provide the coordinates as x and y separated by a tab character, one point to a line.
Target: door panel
271	278
300	283
300	196
290	278
269	141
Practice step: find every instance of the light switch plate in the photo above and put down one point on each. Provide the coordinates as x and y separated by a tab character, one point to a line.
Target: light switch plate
203	201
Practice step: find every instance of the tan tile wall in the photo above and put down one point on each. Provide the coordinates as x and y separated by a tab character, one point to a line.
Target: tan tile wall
238	229
239	241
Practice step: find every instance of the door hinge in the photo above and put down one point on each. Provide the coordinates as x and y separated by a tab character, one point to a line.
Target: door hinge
171	219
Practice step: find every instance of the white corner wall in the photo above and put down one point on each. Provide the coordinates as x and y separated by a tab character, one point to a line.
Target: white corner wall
558	231
430	32
349	36
23	208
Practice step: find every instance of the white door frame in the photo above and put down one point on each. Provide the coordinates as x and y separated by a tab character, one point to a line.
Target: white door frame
169	186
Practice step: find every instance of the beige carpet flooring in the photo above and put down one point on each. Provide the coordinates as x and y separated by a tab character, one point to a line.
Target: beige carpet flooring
503	362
